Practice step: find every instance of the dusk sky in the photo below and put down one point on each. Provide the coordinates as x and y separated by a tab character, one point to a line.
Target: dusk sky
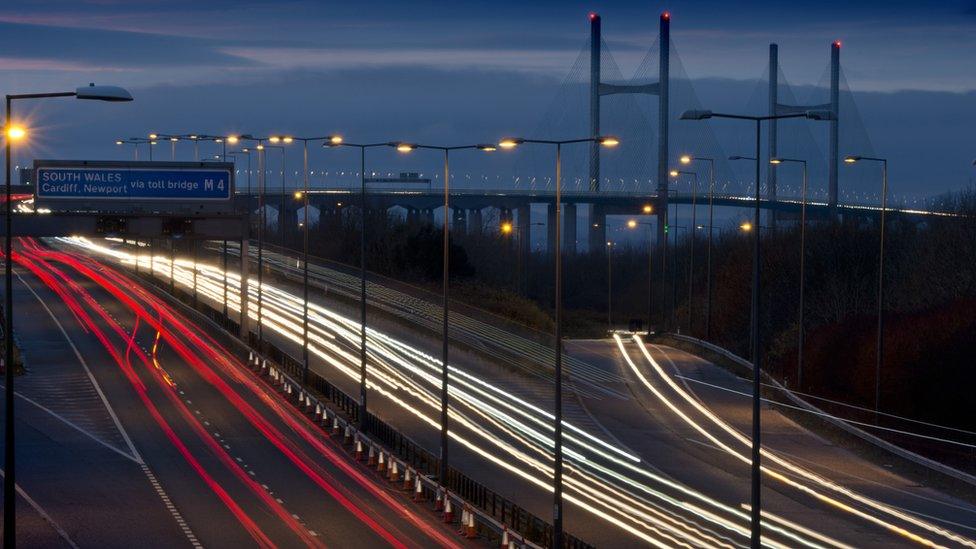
447	72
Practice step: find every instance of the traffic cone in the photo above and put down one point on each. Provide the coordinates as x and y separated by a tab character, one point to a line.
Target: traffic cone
407	480
394	470
471	528
335	424
250	357
318	410
505	538
418	491
511	545
347	439
381	464
359	450
372	456
448	511
463	523
264	364
438	500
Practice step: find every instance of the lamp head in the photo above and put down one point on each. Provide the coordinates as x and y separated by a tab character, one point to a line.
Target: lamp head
233	139
647	208
506	227
821	115
332	141
510	142
16	133
851	158
674	173
487	147
274	139
153	136
119	142
287	139
608	141
775	160
403	147
685	159
102	93
174	139
746	226
298	195
696	115
632	223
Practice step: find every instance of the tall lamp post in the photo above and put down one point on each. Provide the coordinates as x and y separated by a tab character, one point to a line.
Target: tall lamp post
879	353
803	254
284	139
633	224
688	159
135	142
691	236
609	286
756	501
511	143
402	147
446	285
11	133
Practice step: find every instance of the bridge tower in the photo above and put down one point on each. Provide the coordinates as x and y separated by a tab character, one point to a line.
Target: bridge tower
833	106
598	89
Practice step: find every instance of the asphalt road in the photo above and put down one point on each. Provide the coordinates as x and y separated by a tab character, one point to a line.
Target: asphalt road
654	457
140	429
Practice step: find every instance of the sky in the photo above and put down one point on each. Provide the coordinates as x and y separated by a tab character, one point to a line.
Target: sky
469	71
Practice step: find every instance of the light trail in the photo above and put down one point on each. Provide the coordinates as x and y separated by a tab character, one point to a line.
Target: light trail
605	480
795	469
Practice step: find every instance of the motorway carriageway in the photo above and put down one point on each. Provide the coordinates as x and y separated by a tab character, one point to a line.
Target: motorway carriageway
604	478
231	463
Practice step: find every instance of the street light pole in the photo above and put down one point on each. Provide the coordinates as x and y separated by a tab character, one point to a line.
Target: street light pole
557	514
687	159
609	287
336	141
803	255
445	274
879	353
691	251
93	92
756	499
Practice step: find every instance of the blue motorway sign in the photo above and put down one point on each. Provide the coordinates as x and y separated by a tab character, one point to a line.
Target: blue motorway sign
132	183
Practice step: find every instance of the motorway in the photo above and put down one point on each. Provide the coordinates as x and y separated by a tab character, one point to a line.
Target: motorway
648	462
136	426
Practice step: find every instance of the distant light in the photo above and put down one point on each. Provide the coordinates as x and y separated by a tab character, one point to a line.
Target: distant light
274	139
335	139
666	15
609	243
298	195
152	142
647	208
153	136
193	137
119	142
218	140
632	223
593	16
746	226
674	173
287	139
174	139
487	147
260	147
685	159
507	228
233	139
836	43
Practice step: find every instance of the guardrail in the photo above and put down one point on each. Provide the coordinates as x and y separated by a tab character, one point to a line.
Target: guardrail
483	512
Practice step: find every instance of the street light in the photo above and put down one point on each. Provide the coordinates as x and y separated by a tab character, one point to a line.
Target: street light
776	161
511	143
406	148
691	251
13	132
851	159
688	159
633	224
756	473
337	141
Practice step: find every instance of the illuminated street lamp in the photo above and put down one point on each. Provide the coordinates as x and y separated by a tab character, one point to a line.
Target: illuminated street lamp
756	471
688	159
691	235
406	148
777	161
511	143
633	224
879	353
13	132
334	141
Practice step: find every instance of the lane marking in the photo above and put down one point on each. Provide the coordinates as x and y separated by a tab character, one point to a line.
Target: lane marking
37	507
163	496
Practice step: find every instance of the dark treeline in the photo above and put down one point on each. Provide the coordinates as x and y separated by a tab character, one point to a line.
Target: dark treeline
930	293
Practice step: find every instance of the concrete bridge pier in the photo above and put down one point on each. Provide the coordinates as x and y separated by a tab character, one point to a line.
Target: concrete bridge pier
427	216
476	224
459	220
